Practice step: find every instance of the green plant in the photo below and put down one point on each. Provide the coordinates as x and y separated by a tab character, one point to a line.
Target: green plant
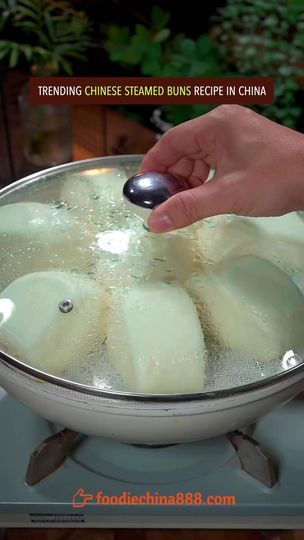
266	37
156	52
47	35
247	37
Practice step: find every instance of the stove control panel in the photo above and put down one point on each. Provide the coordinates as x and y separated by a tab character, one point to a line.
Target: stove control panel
57	518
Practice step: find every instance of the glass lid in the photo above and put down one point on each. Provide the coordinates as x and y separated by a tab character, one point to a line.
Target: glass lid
93	301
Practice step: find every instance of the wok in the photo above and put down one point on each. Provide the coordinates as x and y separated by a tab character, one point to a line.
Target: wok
83	399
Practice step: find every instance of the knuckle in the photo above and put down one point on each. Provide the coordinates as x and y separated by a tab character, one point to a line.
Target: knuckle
230	112
231	117
167	136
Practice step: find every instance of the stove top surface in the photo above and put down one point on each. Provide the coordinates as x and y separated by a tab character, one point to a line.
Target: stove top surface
207	468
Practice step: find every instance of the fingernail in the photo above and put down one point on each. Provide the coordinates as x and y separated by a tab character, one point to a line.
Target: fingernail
160	222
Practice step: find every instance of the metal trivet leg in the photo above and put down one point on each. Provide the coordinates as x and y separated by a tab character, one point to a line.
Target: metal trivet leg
49	456
254	458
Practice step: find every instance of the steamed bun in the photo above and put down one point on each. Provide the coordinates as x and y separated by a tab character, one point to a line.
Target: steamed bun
34	329
36	236
276	239
252	306
155	340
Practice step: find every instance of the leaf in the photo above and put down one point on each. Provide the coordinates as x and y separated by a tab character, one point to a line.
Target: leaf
49	25
66	65
154	52
250	51
159	18
23	12
162	35
133	54
117	55
41	51
27	51
204	45
142	33
28	25
32	5
119	35
188	48
79	25
4	18
4	49
139	47
14	54
150	67
3	54
286	71
68	52
271	21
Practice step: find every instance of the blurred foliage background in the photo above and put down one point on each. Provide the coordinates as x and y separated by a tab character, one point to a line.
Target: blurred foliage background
113	37
244	37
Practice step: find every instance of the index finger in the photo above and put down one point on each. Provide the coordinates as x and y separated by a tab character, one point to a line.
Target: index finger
181	146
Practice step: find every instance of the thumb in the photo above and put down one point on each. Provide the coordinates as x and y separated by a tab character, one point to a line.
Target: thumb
222	196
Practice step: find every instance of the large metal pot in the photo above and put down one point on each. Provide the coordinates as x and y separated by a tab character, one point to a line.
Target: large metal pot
130	416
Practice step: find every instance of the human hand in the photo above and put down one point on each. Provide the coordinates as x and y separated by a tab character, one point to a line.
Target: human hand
259	167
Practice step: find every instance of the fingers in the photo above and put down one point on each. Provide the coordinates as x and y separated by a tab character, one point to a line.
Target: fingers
181	147
194	171
214	198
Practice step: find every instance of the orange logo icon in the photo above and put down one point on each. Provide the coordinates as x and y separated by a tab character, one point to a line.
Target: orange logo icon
80	498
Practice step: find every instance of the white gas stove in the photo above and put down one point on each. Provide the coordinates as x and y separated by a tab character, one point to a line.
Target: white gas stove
120	485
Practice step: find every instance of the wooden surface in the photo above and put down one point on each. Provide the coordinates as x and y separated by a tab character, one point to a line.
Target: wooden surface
148	534
98	131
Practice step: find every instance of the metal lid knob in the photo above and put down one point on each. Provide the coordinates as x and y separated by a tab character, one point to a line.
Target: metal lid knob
144	191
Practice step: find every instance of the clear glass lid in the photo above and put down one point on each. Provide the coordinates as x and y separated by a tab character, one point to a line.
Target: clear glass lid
92	300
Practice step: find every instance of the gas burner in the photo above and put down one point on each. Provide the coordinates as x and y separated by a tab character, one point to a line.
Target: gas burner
153	464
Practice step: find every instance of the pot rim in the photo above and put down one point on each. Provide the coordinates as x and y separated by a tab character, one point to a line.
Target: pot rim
128	396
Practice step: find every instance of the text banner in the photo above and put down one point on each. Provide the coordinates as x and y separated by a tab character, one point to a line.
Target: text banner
151	90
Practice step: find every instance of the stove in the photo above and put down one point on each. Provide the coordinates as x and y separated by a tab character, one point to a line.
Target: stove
100	470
